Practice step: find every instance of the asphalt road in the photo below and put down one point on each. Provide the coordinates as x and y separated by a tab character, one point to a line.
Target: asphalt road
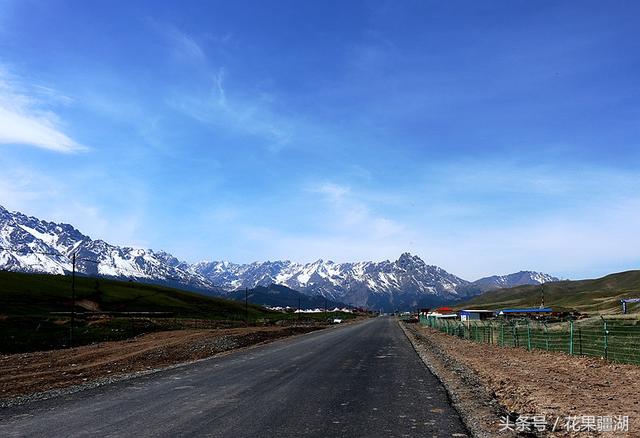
362	379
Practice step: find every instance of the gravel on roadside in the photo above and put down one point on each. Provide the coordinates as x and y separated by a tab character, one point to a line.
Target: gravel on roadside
487	382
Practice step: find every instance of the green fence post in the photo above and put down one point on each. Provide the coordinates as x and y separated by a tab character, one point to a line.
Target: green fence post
546	336
580	340
606	340
486	334
571	337
502	333
515	334
528	336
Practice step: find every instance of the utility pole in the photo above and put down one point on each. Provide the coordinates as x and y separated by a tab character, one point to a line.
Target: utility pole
298	307
325	307
542	304
73	298
246	305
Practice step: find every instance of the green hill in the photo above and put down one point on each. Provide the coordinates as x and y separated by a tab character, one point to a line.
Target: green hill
35	311
41	294
600	295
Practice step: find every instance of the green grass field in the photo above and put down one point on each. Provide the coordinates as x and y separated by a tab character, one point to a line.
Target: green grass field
35	311
601	295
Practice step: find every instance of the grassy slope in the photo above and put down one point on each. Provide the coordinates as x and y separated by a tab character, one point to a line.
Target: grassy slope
37	295
27	300
600	295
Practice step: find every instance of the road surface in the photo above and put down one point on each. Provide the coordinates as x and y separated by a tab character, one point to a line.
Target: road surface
363	379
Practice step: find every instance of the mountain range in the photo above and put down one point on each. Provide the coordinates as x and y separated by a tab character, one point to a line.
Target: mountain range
28	244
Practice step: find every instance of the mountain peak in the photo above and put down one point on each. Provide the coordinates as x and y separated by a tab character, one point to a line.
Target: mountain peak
512	280
407	259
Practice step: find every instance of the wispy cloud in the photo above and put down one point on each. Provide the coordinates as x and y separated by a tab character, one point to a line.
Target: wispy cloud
346	211
183	45
222	97
245	113
25	119
224	110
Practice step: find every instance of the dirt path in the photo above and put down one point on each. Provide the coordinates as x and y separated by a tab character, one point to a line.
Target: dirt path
553	385
28	373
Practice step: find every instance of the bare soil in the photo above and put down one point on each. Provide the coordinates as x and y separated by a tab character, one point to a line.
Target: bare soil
28	373
518	382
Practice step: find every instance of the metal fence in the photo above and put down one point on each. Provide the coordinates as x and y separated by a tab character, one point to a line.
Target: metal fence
617	340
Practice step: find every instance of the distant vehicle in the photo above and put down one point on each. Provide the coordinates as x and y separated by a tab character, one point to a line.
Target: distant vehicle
336	321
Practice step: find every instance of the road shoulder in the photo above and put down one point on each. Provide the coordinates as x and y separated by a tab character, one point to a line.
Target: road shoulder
478	407
29	377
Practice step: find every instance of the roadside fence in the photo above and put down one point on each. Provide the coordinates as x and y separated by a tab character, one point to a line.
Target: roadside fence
616	340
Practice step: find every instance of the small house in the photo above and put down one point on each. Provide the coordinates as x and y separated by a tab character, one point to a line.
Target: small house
475	314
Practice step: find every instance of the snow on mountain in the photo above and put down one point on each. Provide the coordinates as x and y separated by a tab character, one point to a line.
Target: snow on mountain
406	281
512	280
28	244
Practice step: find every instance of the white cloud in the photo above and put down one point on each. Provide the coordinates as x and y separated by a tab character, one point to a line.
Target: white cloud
23	120
220	109
334	192
249	115
183	45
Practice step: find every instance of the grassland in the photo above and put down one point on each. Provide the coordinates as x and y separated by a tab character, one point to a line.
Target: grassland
35	311
600	295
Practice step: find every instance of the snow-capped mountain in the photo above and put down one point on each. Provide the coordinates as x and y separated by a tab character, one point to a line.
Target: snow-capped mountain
512	280
28	244
406	282
401	282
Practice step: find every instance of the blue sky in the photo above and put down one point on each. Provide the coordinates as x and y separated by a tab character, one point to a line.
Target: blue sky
486	137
